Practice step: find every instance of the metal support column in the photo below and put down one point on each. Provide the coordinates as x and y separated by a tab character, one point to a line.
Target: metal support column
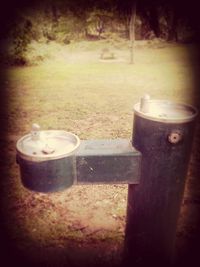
153	206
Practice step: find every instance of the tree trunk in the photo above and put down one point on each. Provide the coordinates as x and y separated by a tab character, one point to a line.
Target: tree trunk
154	21
172	21
132	32
172	34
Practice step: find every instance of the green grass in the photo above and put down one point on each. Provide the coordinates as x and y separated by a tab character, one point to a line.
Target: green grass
56	94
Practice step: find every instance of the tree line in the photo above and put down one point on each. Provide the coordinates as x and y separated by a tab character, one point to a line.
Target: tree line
66	20
164	19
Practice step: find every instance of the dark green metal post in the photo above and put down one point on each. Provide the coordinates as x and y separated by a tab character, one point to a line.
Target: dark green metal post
153	205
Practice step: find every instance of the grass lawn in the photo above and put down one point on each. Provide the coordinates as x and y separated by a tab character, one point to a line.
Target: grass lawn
94	99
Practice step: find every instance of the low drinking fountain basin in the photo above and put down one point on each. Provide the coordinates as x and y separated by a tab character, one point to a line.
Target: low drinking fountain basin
48	154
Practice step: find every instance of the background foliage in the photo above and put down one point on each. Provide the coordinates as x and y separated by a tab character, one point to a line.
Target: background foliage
65	21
